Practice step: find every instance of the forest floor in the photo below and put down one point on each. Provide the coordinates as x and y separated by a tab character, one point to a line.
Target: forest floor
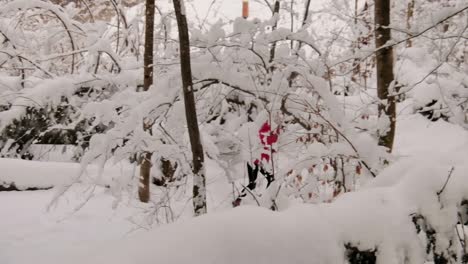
29	233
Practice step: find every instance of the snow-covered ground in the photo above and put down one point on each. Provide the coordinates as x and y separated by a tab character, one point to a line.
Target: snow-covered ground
30	234
93	224
97	233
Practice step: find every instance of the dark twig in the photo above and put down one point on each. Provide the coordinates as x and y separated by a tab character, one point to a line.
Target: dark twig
251	193
446	182
212	81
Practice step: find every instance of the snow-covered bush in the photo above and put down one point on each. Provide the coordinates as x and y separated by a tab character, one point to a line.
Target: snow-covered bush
287	114
255	80
54	65
411	213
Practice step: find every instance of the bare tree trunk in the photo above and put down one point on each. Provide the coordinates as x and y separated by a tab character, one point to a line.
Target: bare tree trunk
199	182
276	10
145	166
409	18
291	13
361	71
385	76
356	63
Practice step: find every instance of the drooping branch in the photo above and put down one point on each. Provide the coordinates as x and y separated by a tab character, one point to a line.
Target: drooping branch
28	60
110	54
70	36
22	71
120	19
211	81
31	4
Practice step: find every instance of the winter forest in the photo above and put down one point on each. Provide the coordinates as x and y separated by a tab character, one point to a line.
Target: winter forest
233	131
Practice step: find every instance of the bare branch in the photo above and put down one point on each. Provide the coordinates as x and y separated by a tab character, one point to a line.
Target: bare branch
446	182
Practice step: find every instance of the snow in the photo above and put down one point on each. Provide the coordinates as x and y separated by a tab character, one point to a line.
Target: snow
91	214
30	234
49	152
97	233
244	235
36	174
46	92
427	138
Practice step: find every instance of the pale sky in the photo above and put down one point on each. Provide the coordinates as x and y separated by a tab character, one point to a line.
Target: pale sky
223	9
231	9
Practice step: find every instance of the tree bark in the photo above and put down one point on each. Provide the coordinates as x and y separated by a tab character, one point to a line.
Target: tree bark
387	106
356	63
145	165
199	182
409	18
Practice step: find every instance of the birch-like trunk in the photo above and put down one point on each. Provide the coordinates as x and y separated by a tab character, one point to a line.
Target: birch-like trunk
145	164
409	18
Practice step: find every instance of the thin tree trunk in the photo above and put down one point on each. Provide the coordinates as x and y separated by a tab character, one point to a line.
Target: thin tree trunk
199	182
356	63
409	18
292	22
299	44
145	166
387	106
276	10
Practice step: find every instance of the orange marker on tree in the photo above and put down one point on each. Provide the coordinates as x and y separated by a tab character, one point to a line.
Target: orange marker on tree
245	9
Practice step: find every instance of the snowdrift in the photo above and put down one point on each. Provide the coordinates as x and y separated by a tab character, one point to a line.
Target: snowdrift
411	219
23	174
